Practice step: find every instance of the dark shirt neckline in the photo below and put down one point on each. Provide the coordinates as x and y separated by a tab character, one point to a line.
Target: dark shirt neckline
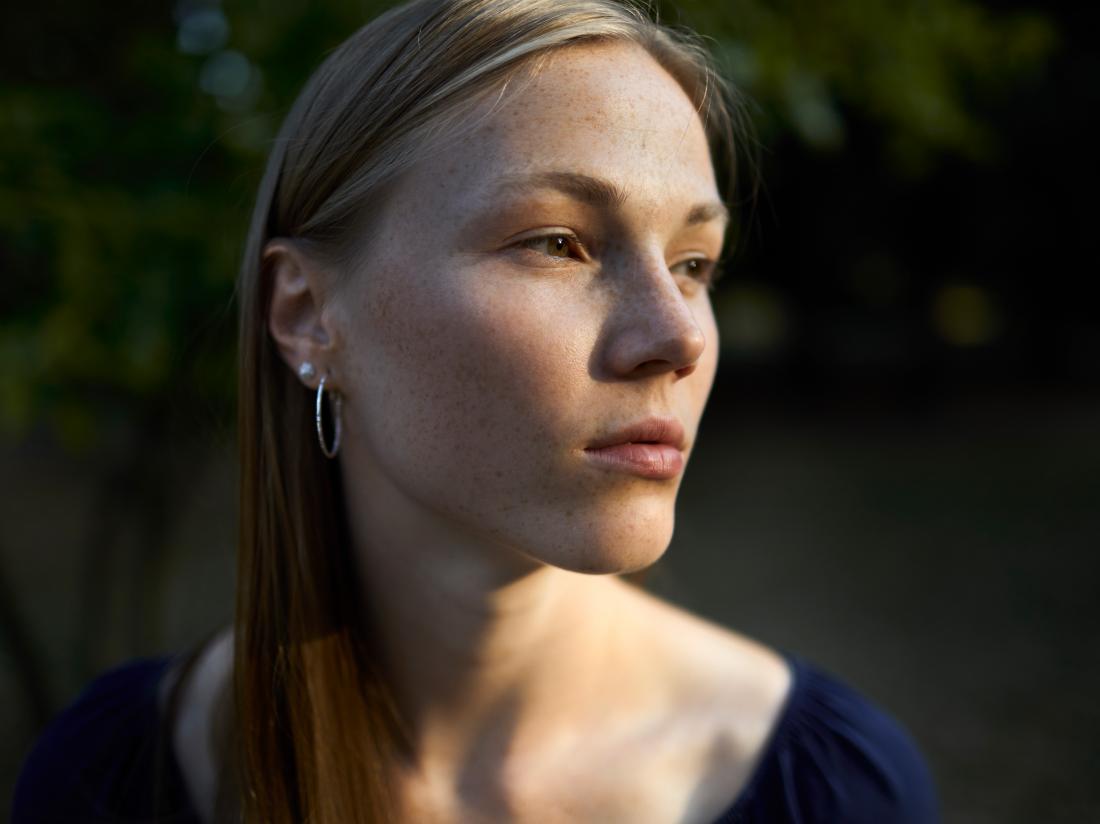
831	755
167	717
774	738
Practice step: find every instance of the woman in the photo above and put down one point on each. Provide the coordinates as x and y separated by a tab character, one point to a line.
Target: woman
476	344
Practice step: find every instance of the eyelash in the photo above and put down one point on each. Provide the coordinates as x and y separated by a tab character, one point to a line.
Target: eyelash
706	270
573	242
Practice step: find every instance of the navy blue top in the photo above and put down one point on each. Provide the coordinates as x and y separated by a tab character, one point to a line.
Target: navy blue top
831	757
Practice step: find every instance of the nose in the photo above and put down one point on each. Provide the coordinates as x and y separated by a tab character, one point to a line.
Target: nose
652	328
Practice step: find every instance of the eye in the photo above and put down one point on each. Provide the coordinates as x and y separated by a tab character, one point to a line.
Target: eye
703	270
557	245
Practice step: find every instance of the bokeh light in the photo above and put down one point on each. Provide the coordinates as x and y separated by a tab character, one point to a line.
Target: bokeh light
965	315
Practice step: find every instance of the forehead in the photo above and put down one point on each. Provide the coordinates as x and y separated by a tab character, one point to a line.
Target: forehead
605	110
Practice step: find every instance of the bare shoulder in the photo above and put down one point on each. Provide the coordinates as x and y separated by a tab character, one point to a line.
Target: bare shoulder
725	696
713	662
194	733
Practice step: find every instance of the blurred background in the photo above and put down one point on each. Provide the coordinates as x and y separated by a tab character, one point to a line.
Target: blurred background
899	473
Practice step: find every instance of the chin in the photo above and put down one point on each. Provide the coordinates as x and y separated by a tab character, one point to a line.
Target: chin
607	543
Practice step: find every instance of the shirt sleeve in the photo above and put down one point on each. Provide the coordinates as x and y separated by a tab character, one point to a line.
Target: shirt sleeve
103	758
837	757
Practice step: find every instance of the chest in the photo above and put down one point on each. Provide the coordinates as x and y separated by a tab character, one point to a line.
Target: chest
653	782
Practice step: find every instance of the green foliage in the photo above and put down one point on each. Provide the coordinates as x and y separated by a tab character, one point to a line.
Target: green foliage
918	70
129	158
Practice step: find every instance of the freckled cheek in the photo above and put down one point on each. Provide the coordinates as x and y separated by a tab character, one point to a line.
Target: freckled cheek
520	367
500	370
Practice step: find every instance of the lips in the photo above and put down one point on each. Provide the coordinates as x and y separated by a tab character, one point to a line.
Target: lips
653	430
651	448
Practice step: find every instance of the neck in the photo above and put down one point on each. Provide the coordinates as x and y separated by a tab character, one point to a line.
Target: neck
492	656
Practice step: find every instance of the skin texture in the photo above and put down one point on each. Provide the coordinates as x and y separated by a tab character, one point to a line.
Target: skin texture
505	361
505	317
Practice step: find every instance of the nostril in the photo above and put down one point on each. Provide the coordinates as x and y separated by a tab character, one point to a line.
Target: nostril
684	371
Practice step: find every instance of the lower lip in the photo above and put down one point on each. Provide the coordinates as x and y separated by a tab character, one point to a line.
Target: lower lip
659	461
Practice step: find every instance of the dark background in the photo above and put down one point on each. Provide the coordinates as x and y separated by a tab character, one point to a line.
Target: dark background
899	471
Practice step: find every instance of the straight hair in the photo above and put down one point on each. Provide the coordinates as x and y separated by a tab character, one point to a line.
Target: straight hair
313	725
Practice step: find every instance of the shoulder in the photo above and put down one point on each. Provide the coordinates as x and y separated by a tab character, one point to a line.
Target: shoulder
204	688
836	756
785	740
102	757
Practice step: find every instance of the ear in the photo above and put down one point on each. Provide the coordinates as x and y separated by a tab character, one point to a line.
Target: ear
294	317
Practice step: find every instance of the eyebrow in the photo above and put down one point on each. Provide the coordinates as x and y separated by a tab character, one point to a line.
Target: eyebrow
598	192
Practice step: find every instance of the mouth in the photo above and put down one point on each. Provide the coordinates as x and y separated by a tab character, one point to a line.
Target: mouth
652	430
652	448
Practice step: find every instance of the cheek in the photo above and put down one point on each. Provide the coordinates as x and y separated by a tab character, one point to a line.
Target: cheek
464	377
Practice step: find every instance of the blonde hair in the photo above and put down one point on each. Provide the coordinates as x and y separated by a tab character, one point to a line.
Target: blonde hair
314	721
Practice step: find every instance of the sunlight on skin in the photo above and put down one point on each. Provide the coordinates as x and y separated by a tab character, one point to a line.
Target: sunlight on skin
527	292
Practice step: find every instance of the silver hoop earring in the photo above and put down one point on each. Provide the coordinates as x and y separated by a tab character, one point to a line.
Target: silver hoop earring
335	403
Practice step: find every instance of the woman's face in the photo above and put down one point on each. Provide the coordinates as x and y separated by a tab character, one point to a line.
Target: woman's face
528	293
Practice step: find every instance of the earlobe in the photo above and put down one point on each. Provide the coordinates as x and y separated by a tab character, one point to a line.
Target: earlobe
295	319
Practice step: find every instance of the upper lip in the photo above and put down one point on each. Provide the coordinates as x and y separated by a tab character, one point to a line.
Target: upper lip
649	430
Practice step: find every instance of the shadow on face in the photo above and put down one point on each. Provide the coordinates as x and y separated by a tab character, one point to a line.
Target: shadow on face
531	290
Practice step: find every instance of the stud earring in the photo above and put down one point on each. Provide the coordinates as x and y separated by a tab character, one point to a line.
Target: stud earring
306	371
